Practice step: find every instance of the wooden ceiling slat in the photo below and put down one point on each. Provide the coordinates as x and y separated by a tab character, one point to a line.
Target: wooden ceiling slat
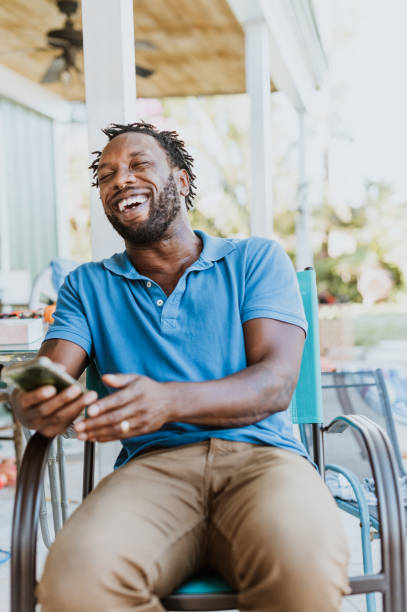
200	45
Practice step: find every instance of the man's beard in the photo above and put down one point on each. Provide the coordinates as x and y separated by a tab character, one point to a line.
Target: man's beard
161	214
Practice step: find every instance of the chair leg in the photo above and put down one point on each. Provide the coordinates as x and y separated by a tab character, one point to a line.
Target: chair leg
88	468
367	561
393	535
364	518
54	488
391	581
25	524
62	478
18	443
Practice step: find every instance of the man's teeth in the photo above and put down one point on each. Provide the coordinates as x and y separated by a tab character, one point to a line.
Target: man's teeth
140	199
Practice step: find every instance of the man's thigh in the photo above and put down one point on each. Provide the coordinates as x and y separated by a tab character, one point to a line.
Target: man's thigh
147	519
274	525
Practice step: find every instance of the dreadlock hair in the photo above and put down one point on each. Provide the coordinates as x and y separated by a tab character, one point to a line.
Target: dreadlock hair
174	147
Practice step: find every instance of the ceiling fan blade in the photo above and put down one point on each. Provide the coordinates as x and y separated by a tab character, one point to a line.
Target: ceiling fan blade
52	74
144	45
143	72
57	43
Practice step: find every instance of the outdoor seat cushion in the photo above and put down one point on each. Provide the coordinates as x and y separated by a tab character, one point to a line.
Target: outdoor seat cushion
209	582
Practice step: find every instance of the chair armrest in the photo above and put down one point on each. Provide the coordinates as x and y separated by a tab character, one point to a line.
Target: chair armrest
391	509
25	523
354	482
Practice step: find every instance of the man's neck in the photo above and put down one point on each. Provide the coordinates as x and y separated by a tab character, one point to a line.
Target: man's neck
166	260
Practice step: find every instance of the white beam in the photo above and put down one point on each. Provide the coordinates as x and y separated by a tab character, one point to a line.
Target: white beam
110	80
298	61
60	137
24	91
304	255
258	88
297	58
4	205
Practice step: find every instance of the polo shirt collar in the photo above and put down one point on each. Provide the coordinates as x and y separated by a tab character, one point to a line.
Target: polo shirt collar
213	249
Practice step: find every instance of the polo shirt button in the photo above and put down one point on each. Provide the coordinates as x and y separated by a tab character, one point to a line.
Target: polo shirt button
160	302
149	283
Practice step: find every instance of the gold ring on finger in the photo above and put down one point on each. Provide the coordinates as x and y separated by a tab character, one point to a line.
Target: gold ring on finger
125	426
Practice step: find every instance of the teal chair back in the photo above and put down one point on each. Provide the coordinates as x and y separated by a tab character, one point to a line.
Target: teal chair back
306	403
93	380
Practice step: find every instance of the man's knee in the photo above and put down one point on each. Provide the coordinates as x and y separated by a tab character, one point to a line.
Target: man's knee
297	572
84	576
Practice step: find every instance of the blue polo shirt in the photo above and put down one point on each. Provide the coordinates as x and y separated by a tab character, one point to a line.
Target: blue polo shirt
127	324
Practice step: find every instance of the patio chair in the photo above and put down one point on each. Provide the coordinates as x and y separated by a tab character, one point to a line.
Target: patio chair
350	392
10	429
211	592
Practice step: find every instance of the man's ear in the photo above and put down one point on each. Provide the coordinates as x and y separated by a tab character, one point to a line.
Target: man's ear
182	180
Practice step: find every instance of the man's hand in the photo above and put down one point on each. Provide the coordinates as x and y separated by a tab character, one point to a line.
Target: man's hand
50	412
144	403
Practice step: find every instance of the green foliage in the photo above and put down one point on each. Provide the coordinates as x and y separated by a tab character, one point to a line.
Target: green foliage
376	229
205	223
330	279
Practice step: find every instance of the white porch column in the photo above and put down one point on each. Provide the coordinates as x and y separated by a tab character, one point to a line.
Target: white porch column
304	256
258	88
4	216
110	80
60	135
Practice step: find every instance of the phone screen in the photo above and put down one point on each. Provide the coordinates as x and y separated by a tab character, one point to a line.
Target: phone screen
36	376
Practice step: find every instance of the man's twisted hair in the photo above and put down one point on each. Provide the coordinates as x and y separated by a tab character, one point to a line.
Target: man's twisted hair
174	147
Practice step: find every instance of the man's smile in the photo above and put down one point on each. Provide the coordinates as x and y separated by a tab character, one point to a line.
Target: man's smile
132	200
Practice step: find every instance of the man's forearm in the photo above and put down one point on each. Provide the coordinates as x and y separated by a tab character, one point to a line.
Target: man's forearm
235	401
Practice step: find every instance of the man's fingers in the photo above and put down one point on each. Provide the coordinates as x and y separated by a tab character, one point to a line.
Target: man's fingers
112	402
48	409
58	422
114	430
58	401
105	421
119	380
27	399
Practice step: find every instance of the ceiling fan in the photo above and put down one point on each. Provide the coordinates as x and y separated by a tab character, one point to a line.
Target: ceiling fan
69	42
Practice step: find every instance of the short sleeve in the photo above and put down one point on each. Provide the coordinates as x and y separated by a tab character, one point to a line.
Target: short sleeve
271	286
70	321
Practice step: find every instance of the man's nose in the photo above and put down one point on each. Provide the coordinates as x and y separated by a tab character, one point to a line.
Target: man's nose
124	178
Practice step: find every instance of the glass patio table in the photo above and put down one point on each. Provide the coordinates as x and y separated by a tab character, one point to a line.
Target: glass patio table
9	354
19	352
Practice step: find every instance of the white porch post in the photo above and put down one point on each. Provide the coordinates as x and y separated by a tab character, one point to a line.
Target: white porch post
258	88
4	217
304	255
60	134
110	80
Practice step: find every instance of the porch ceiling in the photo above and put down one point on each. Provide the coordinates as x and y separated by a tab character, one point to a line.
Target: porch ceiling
200	46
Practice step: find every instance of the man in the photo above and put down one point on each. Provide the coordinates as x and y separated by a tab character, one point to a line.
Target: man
199	342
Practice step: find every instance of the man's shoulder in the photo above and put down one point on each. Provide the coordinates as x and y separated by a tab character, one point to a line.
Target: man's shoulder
257	247
91	272
88	269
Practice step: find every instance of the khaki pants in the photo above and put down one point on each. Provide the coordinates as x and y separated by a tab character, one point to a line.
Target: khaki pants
260	515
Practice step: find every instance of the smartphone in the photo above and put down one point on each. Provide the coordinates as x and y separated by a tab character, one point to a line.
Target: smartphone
29	375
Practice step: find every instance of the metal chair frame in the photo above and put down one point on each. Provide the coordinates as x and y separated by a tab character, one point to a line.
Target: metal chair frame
370	522
390	580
